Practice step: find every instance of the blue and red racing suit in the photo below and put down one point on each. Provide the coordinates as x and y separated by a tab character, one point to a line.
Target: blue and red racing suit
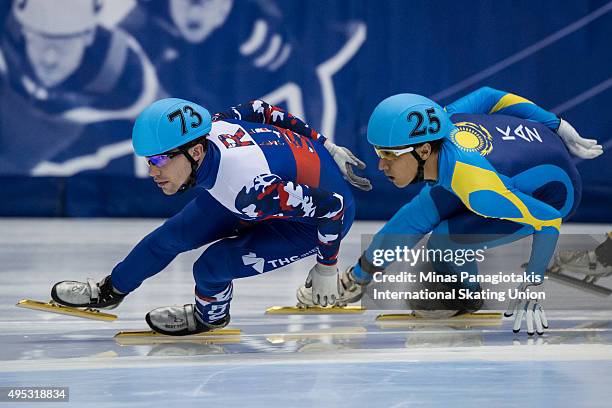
271	194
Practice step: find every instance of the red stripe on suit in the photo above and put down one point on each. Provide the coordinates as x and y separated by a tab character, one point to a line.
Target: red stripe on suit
308	165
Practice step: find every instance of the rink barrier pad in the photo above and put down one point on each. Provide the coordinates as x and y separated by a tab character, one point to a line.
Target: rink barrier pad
316	310
53	307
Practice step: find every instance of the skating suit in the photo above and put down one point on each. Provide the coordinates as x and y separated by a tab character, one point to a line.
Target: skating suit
503	174
270	196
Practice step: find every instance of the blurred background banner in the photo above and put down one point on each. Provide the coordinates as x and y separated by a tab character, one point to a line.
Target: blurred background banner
75	73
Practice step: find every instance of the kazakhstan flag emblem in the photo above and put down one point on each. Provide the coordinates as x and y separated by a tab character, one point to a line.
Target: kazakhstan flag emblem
472	137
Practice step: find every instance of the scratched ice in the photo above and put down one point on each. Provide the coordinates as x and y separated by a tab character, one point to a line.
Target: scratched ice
279	360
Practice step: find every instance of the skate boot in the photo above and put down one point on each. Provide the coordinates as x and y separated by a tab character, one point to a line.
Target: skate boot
353	291
88	294
580	261
181	321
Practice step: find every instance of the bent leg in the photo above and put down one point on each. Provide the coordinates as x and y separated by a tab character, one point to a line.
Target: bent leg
551	185
549	193
200	222
263	248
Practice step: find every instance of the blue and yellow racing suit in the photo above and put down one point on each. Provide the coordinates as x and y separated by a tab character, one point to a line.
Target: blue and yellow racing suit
503	174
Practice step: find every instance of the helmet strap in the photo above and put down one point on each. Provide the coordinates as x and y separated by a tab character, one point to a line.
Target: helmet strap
191	180
420	176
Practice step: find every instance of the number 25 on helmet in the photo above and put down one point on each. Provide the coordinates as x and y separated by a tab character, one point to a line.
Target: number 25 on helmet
407	119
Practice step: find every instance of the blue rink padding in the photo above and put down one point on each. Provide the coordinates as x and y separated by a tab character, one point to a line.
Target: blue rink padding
442	51
87	196
113	196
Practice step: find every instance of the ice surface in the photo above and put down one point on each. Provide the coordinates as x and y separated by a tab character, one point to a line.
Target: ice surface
294	361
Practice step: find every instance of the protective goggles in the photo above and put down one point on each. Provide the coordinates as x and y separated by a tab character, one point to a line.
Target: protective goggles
392	154
160	160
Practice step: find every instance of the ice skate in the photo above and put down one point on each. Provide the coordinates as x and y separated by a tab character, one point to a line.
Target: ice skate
581	261
53	307
147	337
90	295
445	308
459	309
181	321
585	265
353	291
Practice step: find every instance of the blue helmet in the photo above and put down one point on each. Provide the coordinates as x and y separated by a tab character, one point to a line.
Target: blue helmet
167	124
407	119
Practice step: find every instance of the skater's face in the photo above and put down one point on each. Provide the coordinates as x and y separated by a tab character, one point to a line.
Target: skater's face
55	58
172	171
402	169
196	19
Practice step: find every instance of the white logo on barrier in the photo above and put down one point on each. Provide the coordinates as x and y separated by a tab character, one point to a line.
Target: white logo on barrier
252	259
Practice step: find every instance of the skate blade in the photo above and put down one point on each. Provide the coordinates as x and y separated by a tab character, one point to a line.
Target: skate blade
314	310
65	310
579	284
462	322
414	317
144	337
435	325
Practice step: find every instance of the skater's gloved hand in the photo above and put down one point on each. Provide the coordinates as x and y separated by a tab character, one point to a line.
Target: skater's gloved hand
530	309
323	280
345	159
577	145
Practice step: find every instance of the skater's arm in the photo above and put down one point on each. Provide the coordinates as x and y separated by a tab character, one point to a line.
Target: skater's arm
259	111
271	197
409	224
546	223
492	101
